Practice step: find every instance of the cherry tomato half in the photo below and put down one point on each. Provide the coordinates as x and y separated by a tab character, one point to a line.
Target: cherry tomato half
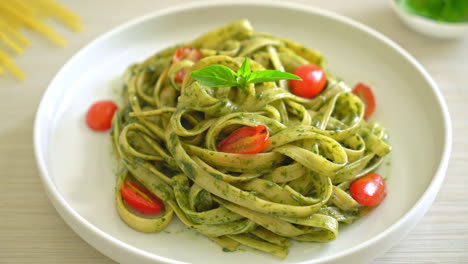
187	53
140	199
246	140
364	92
313	81
99	116
368	190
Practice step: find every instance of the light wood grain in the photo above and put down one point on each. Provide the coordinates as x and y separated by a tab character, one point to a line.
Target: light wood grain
32	232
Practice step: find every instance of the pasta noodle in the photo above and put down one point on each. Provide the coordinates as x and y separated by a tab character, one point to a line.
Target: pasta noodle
15	14
165	138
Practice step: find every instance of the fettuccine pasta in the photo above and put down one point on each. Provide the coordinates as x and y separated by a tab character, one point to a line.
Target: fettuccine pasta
166	134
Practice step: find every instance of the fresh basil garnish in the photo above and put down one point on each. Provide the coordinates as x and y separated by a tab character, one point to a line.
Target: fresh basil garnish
221	76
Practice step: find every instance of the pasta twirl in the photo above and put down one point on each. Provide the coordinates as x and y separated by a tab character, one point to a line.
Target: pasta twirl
166	134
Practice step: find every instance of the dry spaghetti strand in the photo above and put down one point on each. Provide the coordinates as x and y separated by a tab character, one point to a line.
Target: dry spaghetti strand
6	61
31	14
59	12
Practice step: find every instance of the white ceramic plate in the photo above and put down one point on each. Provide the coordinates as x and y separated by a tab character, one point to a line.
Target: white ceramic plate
78	172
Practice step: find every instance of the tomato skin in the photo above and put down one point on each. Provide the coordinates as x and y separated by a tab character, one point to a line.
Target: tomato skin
137	201
180	75
369	190
313	81
99	116
365	93
188	53
246	140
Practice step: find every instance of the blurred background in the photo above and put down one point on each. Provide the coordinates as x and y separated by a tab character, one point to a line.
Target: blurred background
32	232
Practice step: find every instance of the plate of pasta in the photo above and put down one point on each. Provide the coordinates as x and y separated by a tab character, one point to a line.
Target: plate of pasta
242	138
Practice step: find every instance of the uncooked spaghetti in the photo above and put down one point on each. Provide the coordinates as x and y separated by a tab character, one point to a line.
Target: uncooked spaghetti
30	14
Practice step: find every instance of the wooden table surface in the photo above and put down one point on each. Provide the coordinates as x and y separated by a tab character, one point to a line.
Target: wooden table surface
31	231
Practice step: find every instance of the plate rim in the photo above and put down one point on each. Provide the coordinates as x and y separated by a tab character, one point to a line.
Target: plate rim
82	225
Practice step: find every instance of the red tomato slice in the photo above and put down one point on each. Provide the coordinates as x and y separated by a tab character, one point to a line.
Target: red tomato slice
180	75
368	190
188	53
246	140
313	81
99	116
140	199
364	92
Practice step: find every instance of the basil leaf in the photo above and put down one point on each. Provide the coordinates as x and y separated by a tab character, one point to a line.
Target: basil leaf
271	76
215	76
244	70
241	82
222	76
243	74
